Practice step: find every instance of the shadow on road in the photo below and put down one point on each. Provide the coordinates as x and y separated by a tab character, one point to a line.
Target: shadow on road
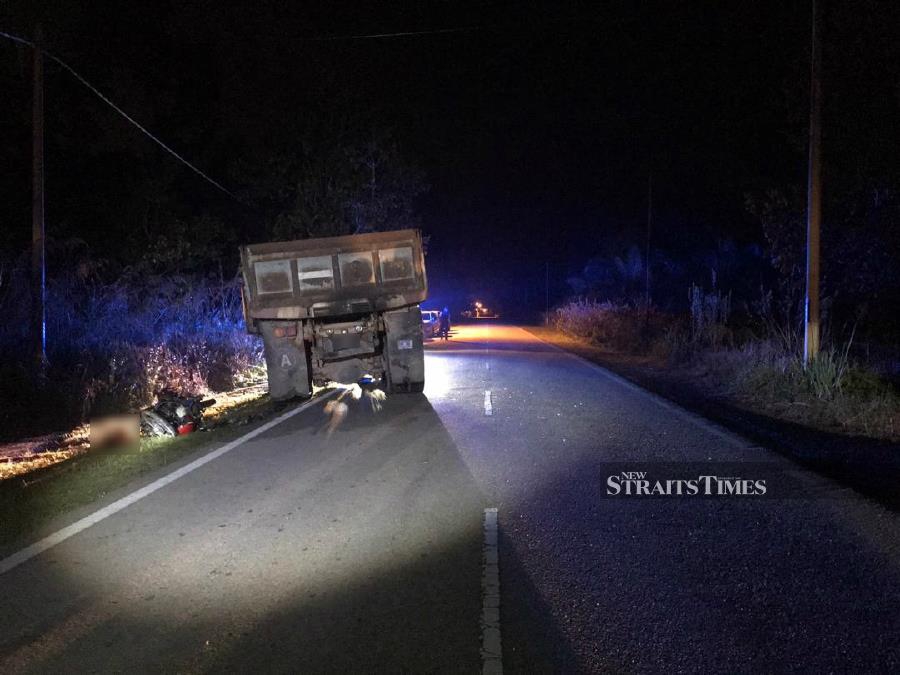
397	590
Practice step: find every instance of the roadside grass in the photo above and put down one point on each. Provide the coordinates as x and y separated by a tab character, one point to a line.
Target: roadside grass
828	394
28	503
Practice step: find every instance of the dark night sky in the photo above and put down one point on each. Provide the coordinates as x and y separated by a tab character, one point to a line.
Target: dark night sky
537	131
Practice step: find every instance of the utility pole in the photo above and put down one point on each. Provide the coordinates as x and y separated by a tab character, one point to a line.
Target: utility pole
38	263
814	192
647	255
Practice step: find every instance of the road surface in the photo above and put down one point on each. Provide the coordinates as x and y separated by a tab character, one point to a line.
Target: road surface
364	551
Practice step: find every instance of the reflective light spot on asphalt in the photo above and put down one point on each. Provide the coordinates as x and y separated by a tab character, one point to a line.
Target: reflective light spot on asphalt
438	378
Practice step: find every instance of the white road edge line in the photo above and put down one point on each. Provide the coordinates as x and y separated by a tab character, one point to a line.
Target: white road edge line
60	536
488	406
705	424
491	645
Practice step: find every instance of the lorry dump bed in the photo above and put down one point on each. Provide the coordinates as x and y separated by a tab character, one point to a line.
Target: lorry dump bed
333	276
338	309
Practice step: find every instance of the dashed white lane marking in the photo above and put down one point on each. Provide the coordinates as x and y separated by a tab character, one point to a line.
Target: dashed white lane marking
60	536
491	646
488	406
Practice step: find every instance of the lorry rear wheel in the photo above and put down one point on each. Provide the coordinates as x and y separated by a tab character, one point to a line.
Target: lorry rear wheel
287	363
404	353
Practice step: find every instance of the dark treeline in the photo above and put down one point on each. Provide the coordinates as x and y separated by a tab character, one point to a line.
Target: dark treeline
755	248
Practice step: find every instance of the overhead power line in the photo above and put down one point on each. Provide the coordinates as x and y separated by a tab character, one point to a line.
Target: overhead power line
121	112
161	143
17	39
376	36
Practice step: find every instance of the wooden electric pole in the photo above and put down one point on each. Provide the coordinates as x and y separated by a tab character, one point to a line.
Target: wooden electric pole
814	192
38	269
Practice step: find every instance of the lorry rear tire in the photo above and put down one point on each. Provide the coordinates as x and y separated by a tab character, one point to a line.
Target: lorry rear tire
286	364
404	351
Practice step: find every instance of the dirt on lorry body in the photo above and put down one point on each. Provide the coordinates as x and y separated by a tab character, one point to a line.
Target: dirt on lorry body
337	308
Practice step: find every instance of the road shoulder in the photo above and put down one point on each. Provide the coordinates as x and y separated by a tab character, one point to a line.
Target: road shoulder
868	466
39	504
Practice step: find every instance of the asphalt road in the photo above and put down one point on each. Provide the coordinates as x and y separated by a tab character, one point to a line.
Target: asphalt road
362	551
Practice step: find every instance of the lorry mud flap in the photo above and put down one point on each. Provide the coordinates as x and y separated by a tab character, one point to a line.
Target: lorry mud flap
286	363
404	351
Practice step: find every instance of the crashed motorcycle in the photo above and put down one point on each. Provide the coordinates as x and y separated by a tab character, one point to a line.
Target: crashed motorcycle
174	415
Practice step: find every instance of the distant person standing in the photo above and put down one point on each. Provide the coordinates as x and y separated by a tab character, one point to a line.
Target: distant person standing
444	328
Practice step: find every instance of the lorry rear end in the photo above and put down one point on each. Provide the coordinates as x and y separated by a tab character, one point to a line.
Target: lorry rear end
337	308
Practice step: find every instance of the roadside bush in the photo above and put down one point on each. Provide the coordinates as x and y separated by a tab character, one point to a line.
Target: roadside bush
112	346
618	326
764	371
830	392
